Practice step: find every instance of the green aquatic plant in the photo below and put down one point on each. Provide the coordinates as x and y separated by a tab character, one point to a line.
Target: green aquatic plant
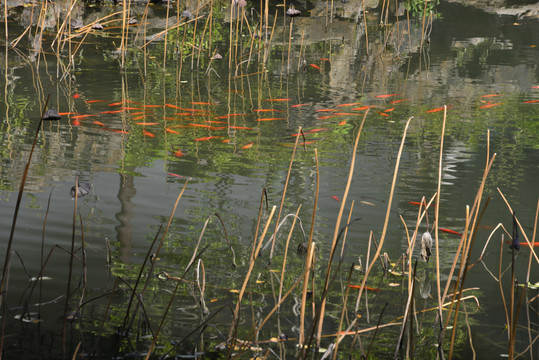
420	7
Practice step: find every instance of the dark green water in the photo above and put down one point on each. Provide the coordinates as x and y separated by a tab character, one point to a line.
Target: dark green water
131	162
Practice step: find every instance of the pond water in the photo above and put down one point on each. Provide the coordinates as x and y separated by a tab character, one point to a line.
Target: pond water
172	118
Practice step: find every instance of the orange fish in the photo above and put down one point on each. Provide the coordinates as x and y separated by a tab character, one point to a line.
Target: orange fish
490	95
335	198
81	116
176	175
382	113
75	122
298	105
350	104
146	123
207	138
317	130
307	143
365	287
178	153
116	103
278	100
152	106
530	101
66	113
226	140
170	131
173	106
535	87
449	231
489	105
325	117
94	101
436	110
343	114
201	125
184	114
230	115
147	133
247	146
397	101
270	119
111	112
362	107
315	66
385	96
98	123
139	117
267	110
415	203
325	110
324	59
201	103
389	110
342	123
118	131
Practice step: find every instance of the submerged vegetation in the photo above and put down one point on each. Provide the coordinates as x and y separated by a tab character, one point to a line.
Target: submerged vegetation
267	278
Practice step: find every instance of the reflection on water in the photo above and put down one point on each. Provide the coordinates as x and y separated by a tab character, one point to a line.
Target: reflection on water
138	133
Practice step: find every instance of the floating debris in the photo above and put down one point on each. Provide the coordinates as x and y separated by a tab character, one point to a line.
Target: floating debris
82	189
97	26
51	114
187	14
217	56
426	245
292	11
133	21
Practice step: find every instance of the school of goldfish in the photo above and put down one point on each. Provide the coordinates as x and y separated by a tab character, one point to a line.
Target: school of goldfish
202	116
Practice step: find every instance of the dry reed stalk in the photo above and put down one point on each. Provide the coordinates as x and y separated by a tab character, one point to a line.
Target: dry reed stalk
256	247
407	312
202	234
523	233
366	30
343	311
60	31
289	45
202	40
159	34
266	49
316	194
4	282
532	241
300	49
68	289
284	193
465	245
286	252
348	221
436	212
122	330
468	232
195	32
338	224
254	255
125	29
84	264
167	309
308	265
